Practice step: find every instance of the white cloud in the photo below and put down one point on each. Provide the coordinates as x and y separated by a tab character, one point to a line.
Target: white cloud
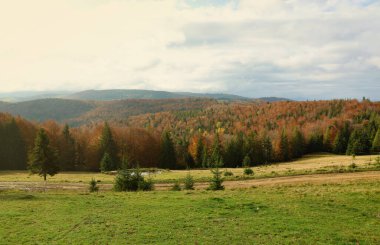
245	47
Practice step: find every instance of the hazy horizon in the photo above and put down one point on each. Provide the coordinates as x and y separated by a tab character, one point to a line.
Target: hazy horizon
292	49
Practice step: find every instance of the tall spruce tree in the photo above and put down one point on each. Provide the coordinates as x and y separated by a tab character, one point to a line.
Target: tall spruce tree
168	158
327	140
315	143
67	150
107	164
298	144
13	153
216	153
108	145
376	143
283	154
234	151
359	142
43	158
199	153
267	150
341	139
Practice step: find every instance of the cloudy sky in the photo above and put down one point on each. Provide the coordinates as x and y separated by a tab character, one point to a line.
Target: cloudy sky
289	48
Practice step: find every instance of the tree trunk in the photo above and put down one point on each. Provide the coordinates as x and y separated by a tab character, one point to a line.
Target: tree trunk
44	182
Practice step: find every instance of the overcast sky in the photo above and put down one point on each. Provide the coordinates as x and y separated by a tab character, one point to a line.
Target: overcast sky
296	48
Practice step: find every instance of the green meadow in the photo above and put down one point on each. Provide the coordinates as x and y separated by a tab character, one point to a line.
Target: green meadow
344	213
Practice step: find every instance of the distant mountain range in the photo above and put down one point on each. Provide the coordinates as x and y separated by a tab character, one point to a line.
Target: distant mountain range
121	94
99	105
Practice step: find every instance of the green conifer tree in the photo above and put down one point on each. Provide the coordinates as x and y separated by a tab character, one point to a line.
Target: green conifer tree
67	150
108	145
376	142
199	153
246	161
168	159
107	164
284	147
43	158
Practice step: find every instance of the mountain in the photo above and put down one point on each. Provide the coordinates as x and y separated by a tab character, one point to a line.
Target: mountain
122	94
114	105
77	112
45	109
274	99
31	95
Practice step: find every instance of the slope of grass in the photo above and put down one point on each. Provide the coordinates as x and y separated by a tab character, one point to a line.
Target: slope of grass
309	164
346	213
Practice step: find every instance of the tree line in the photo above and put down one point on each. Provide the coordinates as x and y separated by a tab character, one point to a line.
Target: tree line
341	127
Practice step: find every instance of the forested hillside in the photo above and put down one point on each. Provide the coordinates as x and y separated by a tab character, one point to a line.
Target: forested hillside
197	133
46	109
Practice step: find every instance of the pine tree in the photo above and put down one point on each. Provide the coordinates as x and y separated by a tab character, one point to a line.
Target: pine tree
315	143
341	139
168	159
326	140
217	180
205	159
359	142
107	164
67	150
234	150
199	153
189	182
216	151
108	145
267	150
43	158
284	147
93	186
246	161
13	153
376	142
298	144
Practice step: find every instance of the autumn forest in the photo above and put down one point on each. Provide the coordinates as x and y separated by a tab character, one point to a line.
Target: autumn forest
222	133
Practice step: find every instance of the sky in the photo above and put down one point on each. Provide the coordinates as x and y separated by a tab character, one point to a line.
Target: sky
299	49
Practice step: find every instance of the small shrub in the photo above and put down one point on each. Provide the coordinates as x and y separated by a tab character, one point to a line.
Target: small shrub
146	185
352	166
216	181
176	186
228	173
93	186
189	182
248	171
132	180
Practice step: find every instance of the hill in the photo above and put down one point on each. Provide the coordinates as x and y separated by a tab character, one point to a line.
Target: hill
78	112
122	94
45	109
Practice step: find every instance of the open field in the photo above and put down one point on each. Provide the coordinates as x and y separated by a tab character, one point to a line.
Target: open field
288	203
310	164
229	184
337	213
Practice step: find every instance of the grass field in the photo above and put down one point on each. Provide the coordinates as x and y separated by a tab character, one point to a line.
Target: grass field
344	213
310	164
303	206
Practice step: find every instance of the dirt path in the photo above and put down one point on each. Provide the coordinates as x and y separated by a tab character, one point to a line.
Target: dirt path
302	179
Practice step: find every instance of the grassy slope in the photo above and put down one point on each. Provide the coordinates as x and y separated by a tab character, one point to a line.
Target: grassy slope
306	165
344	213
